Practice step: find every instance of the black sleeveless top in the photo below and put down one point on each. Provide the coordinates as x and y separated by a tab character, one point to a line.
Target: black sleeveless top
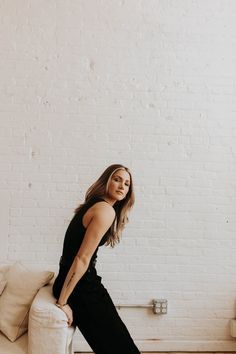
75	234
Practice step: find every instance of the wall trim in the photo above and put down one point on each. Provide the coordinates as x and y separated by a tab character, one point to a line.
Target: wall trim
175	345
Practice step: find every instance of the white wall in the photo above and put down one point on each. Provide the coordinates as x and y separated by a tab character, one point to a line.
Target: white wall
150	84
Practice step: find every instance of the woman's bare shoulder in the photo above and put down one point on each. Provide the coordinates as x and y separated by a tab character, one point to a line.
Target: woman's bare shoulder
103	208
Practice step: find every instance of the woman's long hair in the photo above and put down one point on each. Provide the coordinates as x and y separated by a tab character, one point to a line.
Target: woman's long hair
122	207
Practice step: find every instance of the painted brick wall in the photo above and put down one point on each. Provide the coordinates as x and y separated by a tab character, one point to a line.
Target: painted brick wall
150	84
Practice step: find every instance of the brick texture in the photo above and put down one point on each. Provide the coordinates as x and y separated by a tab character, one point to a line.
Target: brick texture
150	84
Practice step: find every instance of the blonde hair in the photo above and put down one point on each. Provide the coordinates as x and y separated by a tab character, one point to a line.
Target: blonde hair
122	207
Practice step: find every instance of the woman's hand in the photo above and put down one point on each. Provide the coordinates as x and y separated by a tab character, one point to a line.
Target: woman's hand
69	314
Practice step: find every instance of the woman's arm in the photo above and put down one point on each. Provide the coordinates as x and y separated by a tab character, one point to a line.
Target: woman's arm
102	219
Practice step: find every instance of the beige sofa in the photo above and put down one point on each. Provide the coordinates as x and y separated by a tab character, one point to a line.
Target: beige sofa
48	331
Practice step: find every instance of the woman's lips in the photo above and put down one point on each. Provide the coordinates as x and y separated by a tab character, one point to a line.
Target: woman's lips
119	192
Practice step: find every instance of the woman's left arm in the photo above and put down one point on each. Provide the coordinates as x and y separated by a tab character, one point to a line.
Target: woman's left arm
101	221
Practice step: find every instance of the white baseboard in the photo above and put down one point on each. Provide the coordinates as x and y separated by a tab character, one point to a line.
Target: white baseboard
168	345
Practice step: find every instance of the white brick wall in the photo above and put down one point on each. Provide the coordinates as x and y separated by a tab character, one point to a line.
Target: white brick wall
150	84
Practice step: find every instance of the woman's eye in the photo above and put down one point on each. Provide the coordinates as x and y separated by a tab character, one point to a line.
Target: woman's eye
117	180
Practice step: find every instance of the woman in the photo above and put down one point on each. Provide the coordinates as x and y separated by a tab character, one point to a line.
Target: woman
78	288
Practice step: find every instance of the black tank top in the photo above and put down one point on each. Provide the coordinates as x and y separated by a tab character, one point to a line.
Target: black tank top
75	234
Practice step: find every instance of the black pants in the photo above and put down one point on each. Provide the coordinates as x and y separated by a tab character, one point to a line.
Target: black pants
96	316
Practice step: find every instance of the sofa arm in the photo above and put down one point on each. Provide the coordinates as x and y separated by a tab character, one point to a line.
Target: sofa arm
48	331
233	328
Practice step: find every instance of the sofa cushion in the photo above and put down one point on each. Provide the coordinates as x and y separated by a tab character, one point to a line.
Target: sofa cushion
3	283
15	301
18	347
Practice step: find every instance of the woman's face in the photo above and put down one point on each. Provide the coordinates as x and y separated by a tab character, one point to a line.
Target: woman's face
119	185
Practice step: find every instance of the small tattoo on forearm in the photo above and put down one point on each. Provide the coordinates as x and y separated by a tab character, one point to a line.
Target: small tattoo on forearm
70	280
